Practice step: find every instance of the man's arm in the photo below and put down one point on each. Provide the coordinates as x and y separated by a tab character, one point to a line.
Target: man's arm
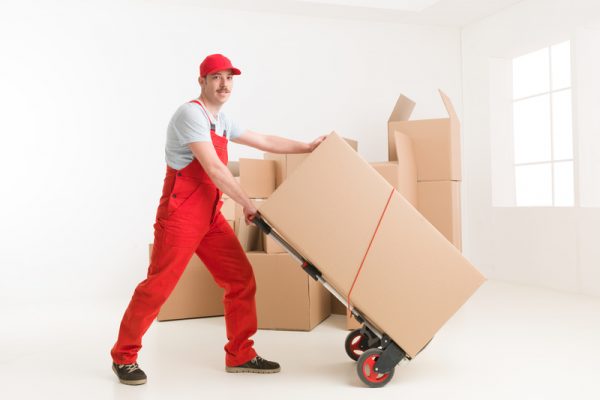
221	176
276	144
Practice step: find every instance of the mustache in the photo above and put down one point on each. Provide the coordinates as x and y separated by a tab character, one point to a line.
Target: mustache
224	90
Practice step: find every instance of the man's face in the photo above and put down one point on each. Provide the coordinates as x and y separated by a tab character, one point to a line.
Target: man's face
217	87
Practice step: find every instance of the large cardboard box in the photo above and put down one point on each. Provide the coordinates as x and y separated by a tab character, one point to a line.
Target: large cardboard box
439	202
257	177
287	298
195	295
287	163
436	141
395	267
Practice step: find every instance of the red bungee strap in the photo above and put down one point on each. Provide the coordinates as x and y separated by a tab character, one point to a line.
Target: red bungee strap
370	243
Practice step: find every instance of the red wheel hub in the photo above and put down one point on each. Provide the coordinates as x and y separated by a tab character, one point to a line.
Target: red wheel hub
355	345
368	370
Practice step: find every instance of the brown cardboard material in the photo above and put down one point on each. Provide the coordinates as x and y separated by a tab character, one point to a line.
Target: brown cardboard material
195	295
436	142
257	177
407	164
439	202
351	322
248	235
287	163
270	246
401	174
426	277
337	307
228	208
286	297
389	170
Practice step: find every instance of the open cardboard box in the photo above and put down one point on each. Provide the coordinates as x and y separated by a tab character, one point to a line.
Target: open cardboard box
436	142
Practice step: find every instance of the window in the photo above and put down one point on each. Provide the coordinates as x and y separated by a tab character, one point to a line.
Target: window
542	127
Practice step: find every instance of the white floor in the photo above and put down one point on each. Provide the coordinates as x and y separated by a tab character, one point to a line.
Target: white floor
508	342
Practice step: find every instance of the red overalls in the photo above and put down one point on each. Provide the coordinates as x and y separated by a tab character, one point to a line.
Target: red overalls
189	220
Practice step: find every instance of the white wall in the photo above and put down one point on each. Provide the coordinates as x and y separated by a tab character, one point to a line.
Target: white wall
551	247
87	89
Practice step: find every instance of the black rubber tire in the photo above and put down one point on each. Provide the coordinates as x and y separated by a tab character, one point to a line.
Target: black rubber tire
355	344
364	369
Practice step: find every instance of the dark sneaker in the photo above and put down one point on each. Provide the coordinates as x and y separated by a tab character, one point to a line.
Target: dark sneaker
257	365
129	374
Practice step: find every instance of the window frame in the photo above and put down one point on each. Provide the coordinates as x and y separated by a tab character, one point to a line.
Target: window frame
553	161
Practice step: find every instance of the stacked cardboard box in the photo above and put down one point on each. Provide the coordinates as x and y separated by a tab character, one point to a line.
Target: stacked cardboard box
286	297
387	260
436	145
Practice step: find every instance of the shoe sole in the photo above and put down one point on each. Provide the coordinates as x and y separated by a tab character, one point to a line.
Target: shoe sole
238	370
126	382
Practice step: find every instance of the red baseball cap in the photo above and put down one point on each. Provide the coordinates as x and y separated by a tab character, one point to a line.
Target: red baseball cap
215	63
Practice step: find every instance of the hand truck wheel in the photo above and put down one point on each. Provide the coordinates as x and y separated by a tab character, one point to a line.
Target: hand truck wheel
365	369
357	342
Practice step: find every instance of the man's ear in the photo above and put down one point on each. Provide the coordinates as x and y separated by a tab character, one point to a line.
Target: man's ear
201	80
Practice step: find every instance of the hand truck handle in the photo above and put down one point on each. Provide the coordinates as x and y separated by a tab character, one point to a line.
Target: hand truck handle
262	225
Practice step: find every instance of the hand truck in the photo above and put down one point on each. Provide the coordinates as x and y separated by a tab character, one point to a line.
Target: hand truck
375	352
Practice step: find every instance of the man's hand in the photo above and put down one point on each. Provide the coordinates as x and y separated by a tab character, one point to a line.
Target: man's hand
249	214
313	145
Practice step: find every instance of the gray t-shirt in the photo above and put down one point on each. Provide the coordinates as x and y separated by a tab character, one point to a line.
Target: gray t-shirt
190	124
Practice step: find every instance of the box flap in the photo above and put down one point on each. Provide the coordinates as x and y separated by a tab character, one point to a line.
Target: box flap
448	104
402	110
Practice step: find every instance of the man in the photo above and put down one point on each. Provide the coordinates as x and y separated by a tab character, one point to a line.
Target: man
188	221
